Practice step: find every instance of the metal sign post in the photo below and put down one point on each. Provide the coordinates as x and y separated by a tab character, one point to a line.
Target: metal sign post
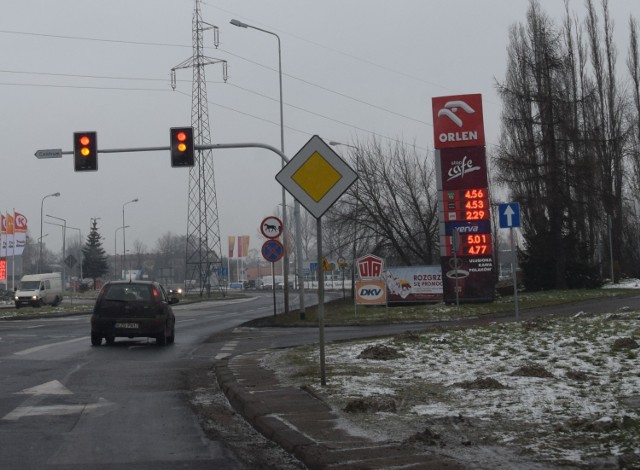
509	215
514	269
323	372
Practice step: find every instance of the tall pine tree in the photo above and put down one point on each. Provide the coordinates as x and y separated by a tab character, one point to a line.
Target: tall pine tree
94	258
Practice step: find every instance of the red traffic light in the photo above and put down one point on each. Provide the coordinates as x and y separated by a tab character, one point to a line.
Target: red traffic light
181	146
85	151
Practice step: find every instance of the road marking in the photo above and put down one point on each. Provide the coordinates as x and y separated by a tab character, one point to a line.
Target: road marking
50	388
46	346
53	410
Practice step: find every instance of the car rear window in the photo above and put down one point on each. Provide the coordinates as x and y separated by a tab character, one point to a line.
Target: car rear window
128	292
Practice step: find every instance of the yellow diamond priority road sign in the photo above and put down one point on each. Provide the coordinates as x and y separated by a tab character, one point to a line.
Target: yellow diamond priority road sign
316	176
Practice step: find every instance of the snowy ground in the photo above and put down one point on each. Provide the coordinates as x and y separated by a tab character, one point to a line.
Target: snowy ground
541	394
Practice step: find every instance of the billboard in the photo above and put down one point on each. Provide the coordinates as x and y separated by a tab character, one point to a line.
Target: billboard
414	284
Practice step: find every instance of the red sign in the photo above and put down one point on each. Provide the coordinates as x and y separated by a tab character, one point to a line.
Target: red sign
271	227
457	121
463	168
272	250
370	267
3	269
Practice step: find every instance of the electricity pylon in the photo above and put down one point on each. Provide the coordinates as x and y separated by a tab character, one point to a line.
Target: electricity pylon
204	249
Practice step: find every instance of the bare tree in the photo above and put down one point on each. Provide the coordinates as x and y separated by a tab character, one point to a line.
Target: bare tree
392	209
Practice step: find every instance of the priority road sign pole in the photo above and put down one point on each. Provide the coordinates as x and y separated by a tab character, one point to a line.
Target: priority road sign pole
514	268
323	376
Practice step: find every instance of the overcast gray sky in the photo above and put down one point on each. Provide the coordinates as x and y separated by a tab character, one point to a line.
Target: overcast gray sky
352	68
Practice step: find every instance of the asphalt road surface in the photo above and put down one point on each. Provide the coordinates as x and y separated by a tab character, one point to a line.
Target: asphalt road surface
65	404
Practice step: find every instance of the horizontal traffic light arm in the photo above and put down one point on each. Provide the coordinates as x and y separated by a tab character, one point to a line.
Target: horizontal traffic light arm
168	148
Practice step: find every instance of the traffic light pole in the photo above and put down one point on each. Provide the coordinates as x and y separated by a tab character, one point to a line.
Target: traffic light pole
56	153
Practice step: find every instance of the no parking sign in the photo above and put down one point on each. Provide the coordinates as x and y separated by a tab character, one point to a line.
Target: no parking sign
272	250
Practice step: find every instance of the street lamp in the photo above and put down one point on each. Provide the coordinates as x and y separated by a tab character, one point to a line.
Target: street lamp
285	258
79	250
124	237
41	237
115	250
64	237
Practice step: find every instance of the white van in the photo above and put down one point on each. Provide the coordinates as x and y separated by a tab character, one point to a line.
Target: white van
39	289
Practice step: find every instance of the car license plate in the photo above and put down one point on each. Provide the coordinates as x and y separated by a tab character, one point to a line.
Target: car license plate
126	325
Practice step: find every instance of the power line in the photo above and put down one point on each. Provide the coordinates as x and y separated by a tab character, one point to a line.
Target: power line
293	77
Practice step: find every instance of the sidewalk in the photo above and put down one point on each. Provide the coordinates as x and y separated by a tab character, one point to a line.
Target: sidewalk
307	427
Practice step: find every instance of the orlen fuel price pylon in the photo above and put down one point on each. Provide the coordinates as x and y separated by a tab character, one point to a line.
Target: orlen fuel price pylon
463	192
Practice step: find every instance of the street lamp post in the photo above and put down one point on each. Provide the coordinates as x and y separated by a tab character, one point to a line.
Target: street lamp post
64	237
41	237
115	251
79	249
285	258
124	237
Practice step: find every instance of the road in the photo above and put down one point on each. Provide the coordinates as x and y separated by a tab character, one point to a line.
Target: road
65	404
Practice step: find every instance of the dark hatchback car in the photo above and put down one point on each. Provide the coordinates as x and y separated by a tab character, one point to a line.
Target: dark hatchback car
133	309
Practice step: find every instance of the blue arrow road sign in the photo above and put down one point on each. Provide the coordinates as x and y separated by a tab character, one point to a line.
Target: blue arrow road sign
509	215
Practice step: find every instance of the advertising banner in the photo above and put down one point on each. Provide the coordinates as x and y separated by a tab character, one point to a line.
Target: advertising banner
243	246
414	284
13	238
232	244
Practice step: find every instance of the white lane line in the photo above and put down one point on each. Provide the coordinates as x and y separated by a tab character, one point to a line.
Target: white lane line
184	321
46	346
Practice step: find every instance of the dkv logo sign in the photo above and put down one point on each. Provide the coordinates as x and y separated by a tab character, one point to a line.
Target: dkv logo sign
371	292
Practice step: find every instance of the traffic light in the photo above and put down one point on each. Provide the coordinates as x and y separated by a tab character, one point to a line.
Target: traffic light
85	151
181	146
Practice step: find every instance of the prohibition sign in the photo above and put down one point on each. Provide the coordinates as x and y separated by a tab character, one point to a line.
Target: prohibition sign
272	250
271	227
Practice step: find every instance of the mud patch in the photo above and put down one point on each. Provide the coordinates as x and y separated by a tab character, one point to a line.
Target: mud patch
380	352
532	370
481	383
371	405
623	344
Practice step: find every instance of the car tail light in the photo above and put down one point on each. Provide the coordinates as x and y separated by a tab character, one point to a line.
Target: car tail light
156	295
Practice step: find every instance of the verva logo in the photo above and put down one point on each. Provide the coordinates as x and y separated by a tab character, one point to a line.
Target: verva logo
370	267
457	121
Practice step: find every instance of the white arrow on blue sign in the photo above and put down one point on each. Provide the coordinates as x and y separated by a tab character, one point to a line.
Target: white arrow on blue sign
509	215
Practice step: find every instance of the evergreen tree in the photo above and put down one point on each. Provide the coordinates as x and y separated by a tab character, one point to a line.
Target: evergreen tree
94	258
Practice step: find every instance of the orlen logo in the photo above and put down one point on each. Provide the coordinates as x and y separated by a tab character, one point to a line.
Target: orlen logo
370	267
457	121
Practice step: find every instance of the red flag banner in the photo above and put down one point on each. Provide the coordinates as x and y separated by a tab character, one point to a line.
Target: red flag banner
243	246
232	243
